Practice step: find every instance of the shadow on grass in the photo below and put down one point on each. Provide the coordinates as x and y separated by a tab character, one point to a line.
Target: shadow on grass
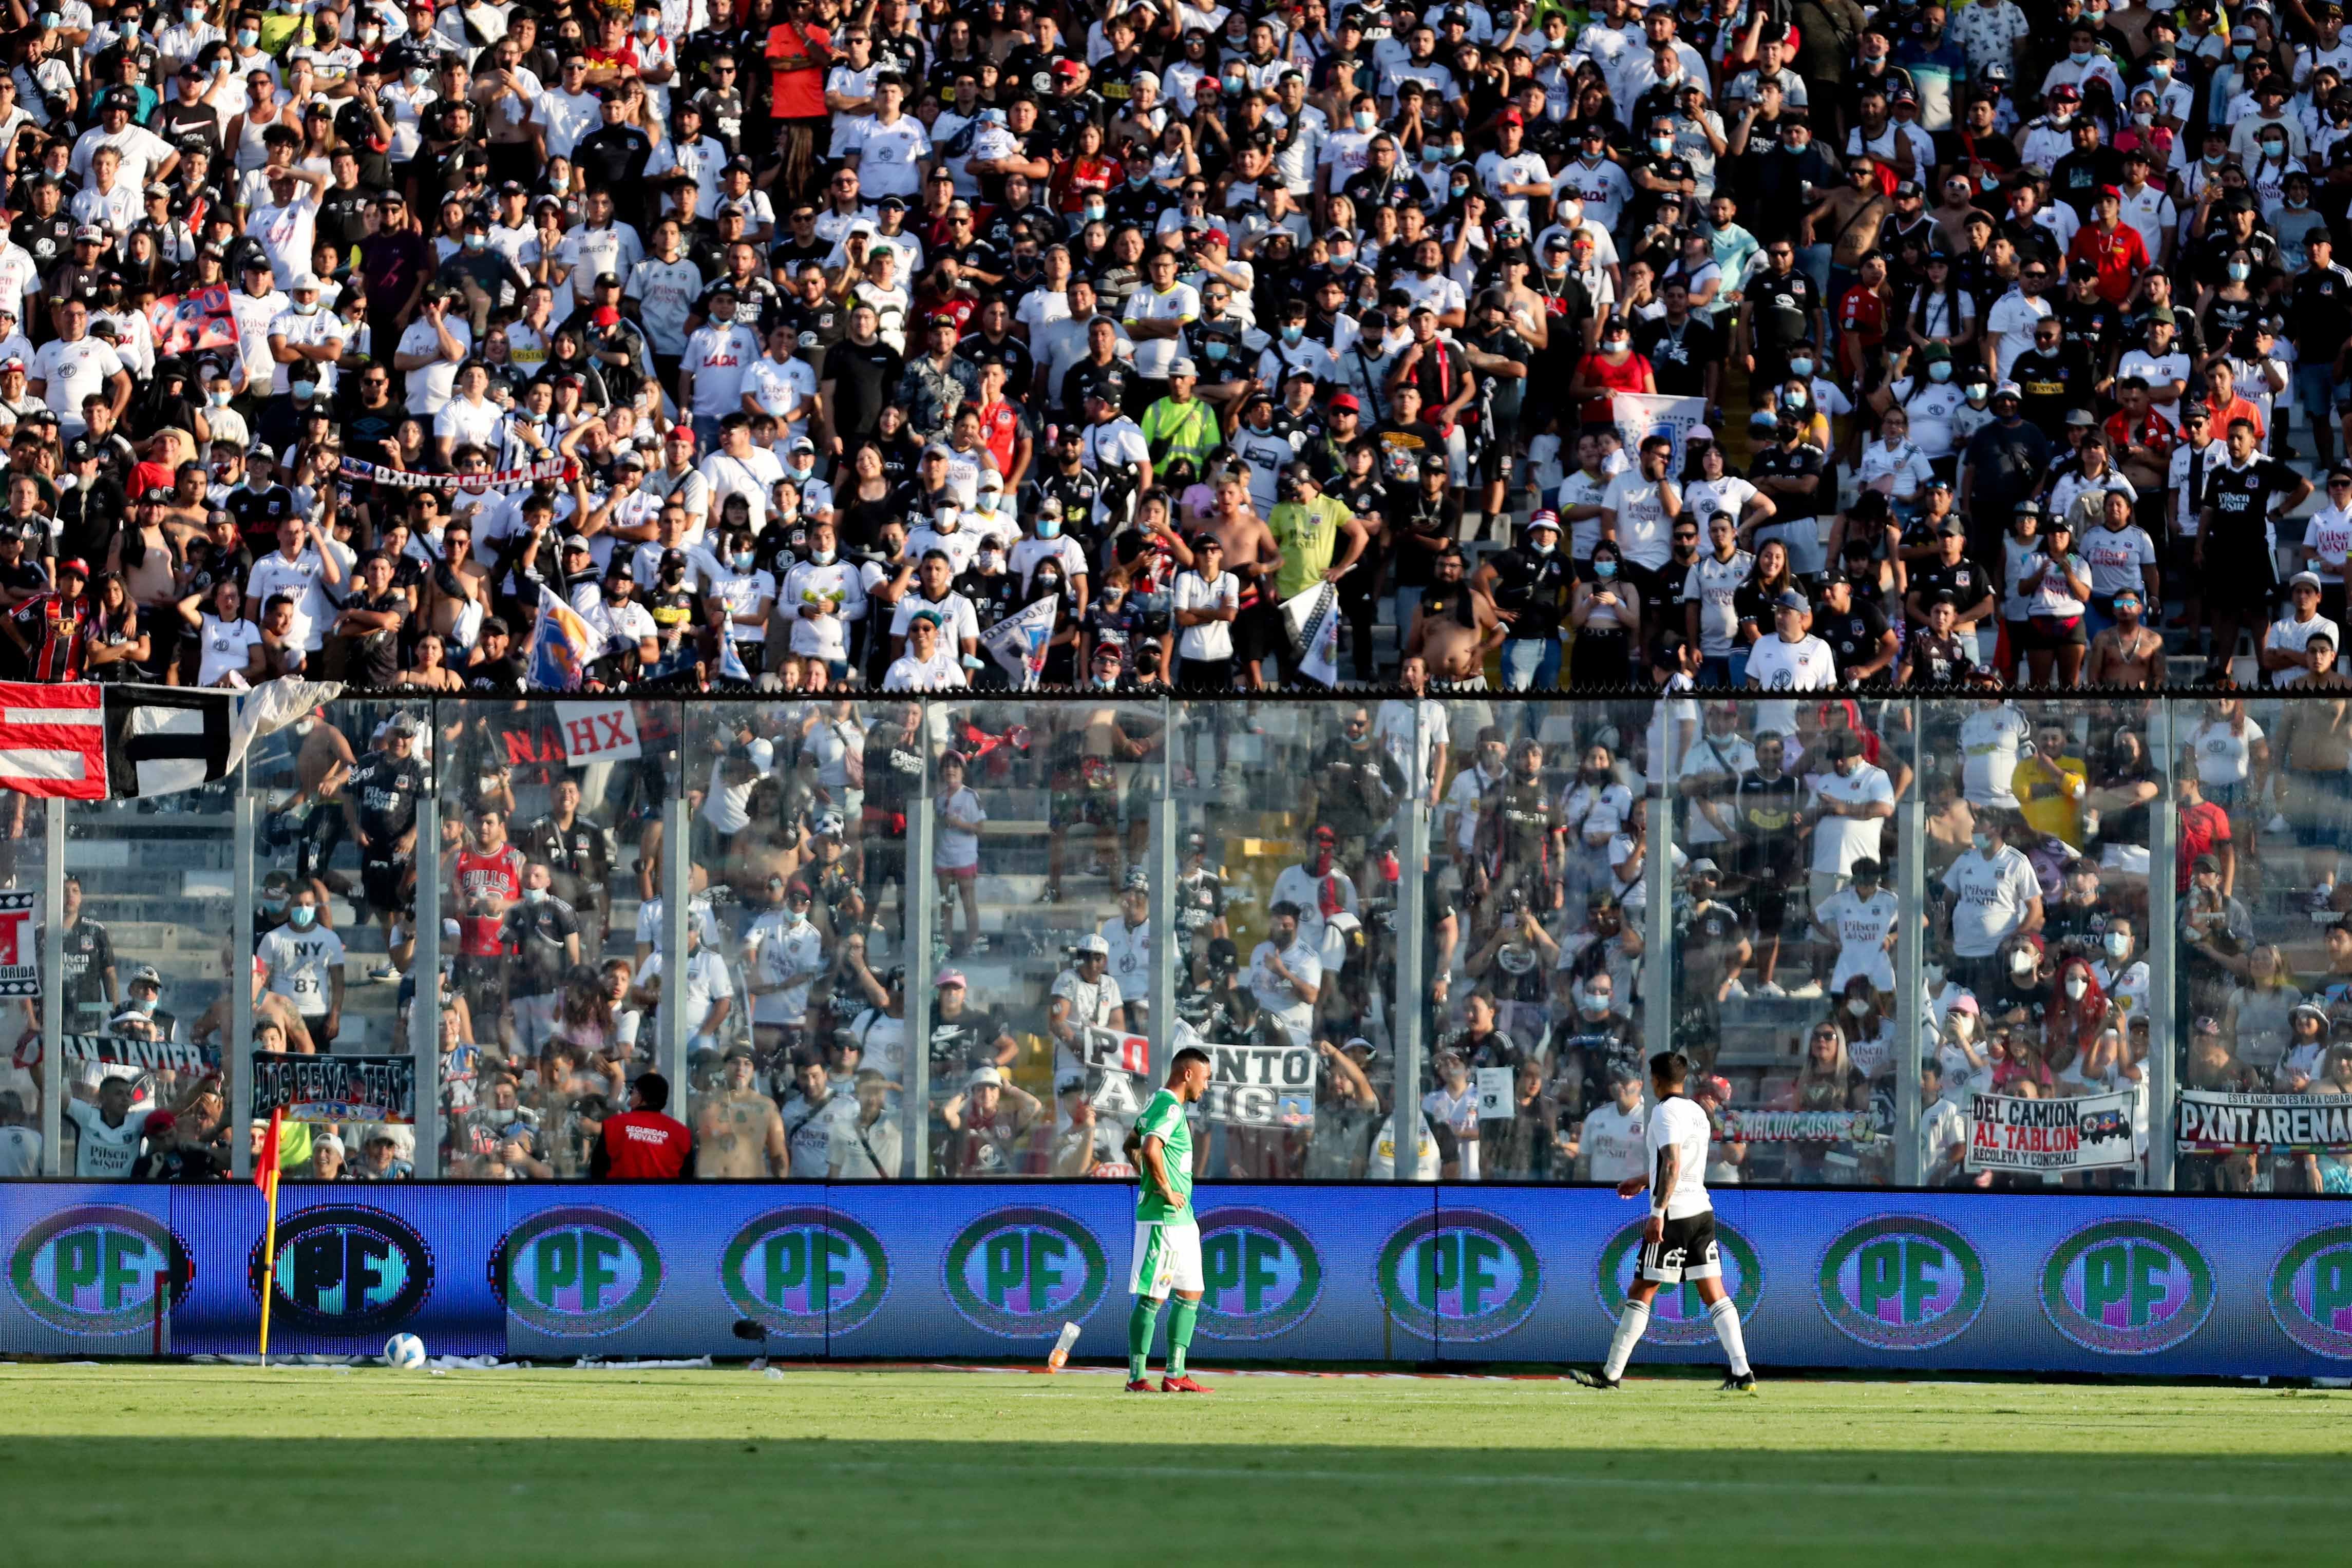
524	1496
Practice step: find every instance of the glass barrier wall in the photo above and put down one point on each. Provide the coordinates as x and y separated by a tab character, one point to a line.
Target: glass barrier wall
2087	943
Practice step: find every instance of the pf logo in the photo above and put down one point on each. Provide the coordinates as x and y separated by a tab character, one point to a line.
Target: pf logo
2311	1292
1262	1275
1458	1274
576	1272
2126	1287
345	1269
94	1271
805	1273
1901	1282
1023	1271
1677	1314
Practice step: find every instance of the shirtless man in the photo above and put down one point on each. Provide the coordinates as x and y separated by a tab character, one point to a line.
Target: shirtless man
740	1132
1457	630
2127	654
1252	556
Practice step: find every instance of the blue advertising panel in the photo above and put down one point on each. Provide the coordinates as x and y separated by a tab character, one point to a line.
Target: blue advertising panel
1921	1281
355	1265
88	1266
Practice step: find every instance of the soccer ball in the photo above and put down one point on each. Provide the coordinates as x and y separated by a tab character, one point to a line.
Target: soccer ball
404	1351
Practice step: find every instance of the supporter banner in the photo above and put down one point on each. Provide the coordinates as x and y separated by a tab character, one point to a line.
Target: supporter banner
1639	415
598	732
562	646
1018	641
192	322
2087	1134
335	1088
1800	1127
1261	1085
503	479
1118	1073
2151	1285
149	1055
2212	1121
1312	618
20	955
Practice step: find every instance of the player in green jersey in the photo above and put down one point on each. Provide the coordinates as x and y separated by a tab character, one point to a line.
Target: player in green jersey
1166	1237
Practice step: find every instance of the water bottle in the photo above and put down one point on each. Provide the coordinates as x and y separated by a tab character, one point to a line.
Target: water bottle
1061	1346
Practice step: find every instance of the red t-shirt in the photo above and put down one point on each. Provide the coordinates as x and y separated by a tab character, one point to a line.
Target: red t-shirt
2202	826
797	57
1863	310
644	1145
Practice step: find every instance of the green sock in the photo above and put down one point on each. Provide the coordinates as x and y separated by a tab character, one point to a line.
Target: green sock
1142	1323
1179	1334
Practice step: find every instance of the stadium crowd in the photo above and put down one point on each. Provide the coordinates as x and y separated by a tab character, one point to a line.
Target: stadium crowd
803	344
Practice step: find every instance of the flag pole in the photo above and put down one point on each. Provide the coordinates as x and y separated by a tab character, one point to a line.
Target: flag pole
267	1176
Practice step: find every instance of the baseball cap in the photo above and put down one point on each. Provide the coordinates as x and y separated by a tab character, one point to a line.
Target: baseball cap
1789	599
76	565
2304	580
1183	367
984	1077
1344	403
949	978
1092	943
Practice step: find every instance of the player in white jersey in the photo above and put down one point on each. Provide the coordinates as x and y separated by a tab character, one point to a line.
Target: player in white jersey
1678	1242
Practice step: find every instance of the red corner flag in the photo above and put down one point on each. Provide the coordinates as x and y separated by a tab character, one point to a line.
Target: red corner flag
265	1165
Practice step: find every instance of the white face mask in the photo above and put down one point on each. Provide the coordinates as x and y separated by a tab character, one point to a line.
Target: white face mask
2076	986
1857	1006
1963	1026
2118	946
2022	966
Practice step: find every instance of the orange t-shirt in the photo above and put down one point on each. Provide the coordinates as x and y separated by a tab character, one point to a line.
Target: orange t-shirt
797	90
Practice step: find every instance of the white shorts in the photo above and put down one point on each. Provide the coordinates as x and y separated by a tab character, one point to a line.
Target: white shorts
1167	1257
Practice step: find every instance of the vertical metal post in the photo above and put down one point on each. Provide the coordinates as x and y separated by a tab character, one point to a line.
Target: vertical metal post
677	871
425	969
1412	934
918	893
1910	984
2163	948
53	987
1164	860
236	1051
1658	987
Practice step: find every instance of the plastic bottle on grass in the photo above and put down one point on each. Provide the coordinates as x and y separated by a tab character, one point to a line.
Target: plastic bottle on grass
1062	1347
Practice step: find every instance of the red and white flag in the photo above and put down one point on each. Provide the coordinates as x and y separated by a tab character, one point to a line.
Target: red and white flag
53	740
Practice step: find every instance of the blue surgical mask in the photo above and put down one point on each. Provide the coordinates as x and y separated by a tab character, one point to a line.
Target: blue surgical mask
1216	350
1604	570
143	1004
2240	272
741	560
1095	211
1662	145
534	895
302	390
476	242
2241	53
2160	73
218	399
301	915
1939	370
246	37
1293	333
1049	528
1796	397
1365	119
820	557
2080	56
1800	367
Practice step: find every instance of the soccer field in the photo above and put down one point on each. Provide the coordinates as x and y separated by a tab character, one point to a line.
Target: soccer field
236	1464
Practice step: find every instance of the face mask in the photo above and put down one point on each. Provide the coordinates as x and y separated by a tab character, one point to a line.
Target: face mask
476	242
1461	187
274	905
648	22
1095	211
2240	271
1618	346
2022	966
1365	119
249	36
1542	546
2273	147
741	560
2160	73
1976	391
2076	986
1593	1001
302	916
1292	334
1963	1026
417	76
1795	399
1236	82
2241	53
301	390
534	895
2081	57
2118	946
1049	527
218	399
1137	181
2143	118
1604	570
1857	1006
1216	349
144	1004
1800	367
1662	145
131	27
1981	842
2213	159
1939	370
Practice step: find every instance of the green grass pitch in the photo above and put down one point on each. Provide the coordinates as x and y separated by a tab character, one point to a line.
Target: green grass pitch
203	1465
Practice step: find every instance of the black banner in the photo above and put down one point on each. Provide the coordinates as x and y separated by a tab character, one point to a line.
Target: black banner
335	1088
